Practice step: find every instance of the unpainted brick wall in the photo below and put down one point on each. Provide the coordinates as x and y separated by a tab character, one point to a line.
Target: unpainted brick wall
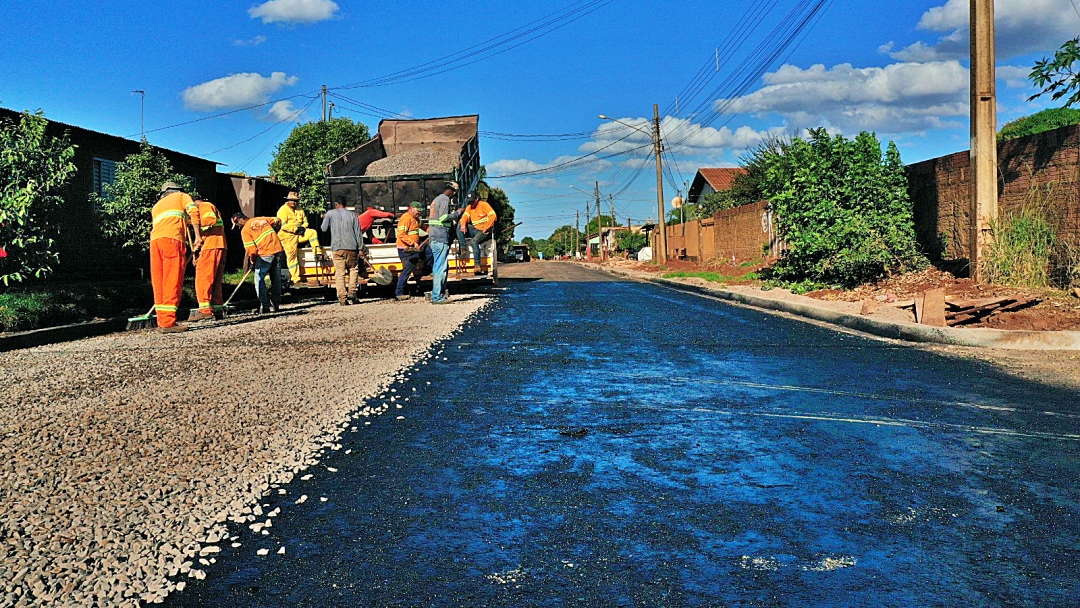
733	232
1039	169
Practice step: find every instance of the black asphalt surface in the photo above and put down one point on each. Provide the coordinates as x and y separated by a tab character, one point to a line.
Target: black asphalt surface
592	442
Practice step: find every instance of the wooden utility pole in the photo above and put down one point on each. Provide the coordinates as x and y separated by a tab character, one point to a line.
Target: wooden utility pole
599	224
324	103
984	186
661	240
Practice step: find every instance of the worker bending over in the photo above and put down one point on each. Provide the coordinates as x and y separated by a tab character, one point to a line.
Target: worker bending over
294	230
347	243
368	218
409	248
477	223
441	224
264	252
171	216
210	268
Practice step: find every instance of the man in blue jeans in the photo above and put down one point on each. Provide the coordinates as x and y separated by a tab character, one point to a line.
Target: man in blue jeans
441	226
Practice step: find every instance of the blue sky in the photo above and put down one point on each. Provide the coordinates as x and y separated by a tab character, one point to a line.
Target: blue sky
899	69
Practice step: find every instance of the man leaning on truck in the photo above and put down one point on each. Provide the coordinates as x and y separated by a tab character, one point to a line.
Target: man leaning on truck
347	243
441	224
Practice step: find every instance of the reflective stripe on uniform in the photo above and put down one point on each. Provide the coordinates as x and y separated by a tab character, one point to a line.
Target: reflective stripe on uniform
171	213
164	308
262	237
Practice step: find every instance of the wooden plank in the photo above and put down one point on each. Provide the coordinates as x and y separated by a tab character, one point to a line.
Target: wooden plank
930	308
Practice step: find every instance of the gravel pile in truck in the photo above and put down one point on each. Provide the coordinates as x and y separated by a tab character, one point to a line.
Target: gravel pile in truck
412	162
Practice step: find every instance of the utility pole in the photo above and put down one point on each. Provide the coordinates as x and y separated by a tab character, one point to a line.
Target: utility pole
984	191
611	203
142	114
588	247
599	224
577	231
661	240
330	112
324	103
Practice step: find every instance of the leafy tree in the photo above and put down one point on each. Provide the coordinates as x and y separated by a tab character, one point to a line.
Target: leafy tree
33	170
608	220
746	188
300	161
561	241
1047	120
843	210
504	224
630	241
1057	76
126	203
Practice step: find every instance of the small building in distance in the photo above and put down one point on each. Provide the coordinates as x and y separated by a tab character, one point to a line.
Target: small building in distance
710	180
96	157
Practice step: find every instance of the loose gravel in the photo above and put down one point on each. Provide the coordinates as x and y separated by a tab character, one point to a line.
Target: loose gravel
423	160
122	458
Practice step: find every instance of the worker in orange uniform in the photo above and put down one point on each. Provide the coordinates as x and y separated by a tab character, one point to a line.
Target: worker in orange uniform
409	249
264	251
294	230
477	223
172	214
210	268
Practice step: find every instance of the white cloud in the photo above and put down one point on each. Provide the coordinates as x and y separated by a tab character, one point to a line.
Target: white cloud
899	98
235	90
256	41
282	111
508	166
692	137
294	11
1021	27
1015	77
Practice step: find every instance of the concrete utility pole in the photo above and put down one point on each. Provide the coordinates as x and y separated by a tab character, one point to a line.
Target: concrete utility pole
588	247
577	231
984	186
611	203
324	103
599	224
661	239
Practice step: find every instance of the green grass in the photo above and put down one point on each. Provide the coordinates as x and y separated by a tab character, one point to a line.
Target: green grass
1022	250
714	277
45	306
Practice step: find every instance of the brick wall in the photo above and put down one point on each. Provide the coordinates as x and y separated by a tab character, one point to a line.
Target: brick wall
81	247
1038	169
734	232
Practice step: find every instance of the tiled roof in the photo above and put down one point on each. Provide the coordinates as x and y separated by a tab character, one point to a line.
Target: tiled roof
721	179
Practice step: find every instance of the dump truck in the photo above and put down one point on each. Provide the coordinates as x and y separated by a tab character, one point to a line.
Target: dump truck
409	160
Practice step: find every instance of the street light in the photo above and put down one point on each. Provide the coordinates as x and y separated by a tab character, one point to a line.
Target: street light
661	253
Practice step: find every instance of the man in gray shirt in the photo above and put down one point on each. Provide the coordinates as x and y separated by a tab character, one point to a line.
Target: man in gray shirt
441	224
347	243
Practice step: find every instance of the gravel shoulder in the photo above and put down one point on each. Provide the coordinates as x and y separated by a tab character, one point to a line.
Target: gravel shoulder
123	457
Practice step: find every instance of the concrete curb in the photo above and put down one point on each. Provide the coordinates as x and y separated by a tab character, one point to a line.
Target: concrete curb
956	336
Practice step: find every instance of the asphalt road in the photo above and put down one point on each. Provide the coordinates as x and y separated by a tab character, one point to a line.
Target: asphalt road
592	442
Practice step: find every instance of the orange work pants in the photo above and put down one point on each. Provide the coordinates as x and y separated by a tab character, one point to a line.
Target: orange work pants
209	272
167	266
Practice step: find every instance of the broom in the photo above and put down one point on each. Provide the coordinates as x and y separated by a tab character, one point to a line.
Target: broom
225	306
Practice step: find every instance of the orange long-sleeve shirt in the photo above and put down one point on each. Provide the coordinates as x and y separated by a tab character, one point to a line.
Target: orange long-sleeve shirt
171	215
482	216
408	231
259	236
212	226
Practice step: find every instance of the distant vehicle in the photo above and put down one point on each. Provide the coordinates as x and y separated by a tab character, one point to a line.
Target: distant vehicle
521	253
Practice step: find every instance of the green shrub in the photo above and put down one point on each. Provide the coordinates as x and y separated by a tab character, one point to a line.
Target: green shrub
1047	120
842	207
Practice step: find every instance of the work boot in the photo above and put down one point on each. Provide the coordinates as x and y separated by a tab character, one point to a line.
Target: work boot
275	307
199	315
403	297
262	310
173	329
343	302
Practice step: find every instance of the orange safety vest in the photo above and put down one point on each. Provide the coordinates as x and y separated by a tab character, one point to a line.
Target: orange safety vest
170	216
259	236
482	216
212	226
408	231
